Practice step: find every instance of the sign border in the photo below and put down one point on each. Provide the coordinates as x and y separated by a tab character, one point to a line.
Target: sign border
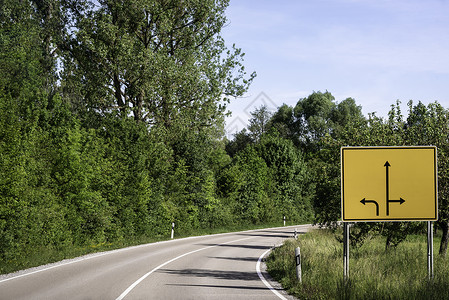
435	156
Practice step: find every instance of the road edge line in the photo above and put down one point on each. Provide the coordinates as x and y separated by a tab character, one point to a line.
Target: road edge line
268	285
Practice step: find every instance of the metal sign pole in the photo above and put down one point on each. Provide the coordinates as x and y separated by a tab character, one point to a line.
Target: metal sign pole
430	249
346	251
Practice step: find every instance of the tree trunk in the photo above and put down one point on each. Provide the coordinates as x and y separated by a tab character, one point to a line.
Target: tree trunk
388	243
445	238
122	107
138	110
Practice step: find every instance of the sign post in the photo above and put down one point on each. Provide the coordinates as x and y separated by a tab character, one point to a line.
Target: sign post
389	184
430	249
346	251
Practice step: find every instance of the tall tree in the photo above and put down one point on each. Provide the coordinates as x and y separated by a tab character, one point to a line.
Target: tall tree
53	20
344	113
313	116
283	121
20	51
161	61
259	122
291	186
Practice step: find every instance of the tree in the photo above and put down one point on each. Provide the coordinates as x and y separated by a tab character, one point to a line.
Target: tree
253	204
430	126
30	213
344	113
283	121
291	185
162	61
20	53
423	126
259	123
241	140
313	117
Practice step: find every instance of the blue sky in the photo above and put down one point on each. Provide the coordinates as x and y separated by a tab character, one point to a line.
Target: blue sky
375	51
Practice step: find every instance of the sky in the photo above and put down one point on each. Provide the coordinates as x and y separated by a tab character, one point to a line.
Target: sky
375	51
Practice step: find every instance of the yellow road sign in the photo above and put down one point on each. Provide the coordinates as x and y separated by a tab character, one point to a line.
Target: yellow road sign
389	184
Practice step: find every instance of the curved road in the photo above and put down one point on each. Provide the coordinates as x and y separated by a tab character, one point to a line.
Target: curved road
219	266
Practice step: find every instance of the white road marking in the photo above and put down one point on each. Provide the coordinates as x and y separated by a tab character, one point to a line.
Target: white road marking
89	256
263	278
56	266
132	286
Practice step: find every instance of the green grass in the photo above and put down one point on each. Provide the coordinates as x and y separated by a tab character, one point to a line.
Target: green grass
399	273
43	255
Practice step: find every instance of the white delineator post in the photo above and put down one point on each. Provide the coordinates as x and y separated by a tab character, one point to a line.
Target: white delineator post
298	264
172	230
284	220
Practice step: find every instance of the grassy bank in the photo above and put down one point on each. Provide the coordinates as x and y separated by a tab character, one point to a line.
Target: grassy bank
44	255
399	273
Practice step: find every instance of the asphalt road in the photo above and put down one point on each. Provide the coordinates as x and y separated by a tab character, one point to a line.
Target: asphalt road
224	266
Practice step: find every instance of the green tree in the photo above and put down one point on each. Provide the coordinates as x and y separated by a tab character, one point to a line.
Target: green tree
284	122
163	62
21	54
344	113
313	117
291	185
325	171
30	215
253	204
241	140
259	123
430	126
423	126
267	180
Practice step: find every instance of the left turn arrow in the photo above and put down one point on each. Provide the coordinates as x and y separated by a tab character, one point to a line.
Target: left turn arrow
364	201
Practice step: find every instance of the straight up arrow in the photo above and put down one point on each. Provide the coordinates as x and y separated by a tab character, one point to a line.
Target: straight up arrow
400	201
387	165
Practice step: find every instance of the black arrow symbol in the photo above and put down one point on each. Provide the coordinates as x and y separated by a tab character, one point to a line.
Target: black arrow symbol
387	165
400	201
364	201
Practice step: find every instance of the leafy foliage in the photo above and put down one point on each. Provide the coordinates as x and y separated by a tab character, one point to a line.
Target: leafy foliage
321	127
112	123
